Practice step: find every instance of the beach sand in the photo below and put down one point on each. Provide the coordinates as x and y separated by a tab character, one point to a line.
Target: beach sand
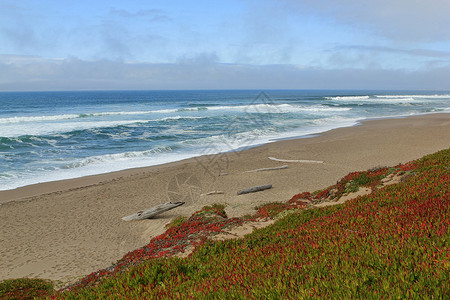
67	229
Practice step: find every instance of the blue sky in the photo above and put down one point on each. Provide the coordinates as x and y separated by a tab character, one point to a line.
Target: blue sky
242	44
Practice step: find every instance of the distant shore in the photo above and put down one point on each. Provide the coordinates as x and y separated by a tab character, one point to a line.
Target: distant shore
65	229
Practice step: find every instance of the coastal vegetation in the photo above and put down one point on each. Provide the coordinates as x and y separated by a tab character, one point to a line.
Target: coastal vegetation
390	243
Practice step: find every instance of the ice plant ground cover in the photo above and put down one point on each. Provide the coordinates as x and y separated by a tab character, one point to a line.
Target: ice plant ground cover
392	243
25	288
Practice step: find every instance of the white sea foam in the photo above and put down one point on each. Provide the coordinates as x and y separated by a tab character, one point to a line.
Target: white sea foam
256	108
45	125
179	118
38	118
263	108
396	100
22	119
117	157
436	96
377	100
228	142
345	98
16	130
98	165
279	108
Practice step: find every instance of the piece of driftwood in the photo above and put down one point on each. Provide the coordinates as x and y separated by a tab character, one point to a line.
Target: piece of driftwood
297	160
213	193
268	169
151	212
255	189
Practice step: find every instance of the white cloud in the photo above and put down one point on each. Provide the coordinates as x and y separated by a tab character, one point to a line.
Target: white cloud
398	20
150	15
413	52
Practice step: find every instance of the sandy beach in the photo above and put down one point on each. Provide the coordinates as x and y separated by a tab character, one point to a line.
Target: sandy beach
67	229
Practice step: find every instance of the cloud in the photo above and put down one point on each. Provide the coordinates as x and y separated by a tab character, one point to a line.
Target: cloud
57	31
17	30
198	59
21	37
150	15
388	57
34	73
121	34
413	52
400	20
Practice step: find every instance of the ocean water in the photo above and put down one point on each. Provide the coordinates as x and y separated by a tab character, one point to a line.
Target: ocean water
46	136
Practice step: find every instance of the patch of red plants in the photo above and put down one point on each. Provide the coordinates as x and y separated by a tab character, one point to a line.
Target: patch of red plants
195	231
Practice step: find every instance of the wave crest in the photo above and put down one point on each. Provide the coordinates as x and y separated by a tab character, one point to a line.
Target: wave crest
125	156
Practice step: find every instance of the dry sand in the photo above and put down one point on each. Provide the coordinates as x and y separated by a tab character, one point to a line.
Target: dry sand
66	229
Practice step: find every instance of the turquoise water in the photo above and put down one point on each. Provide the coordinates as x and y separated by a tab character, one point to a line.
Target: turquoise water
46	136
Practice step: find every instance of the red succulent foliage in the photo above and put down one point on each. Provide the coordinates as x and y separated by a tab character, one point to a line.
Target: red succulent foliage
195	231
304	195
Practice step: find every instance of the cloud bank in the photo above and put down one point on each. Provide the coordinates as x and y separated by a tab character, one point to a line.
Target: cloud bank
38	74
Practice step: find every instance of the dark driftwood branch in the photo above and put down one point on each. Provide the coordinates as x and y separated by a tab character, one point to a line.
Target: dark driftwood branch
255	189
268	169
151	212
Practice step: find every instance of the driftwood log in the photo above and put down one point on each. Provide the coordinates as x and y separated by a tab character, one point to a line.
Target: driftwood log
297	160
255	189
213	193
151	212
268	169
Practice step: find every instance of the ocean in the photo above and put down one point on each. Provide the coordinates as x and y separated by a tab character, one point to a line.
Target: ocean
47	136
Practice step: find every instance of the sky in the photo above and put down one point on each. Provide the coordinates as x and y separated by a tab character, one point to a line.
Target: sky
218	44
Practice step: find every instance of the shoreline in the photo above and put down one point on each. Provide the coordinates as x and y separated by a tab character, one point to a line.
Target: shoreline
24	193
66	229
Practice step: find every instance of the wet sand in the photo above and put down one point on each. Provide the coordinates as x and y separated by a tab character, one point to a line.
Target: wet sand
67	229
